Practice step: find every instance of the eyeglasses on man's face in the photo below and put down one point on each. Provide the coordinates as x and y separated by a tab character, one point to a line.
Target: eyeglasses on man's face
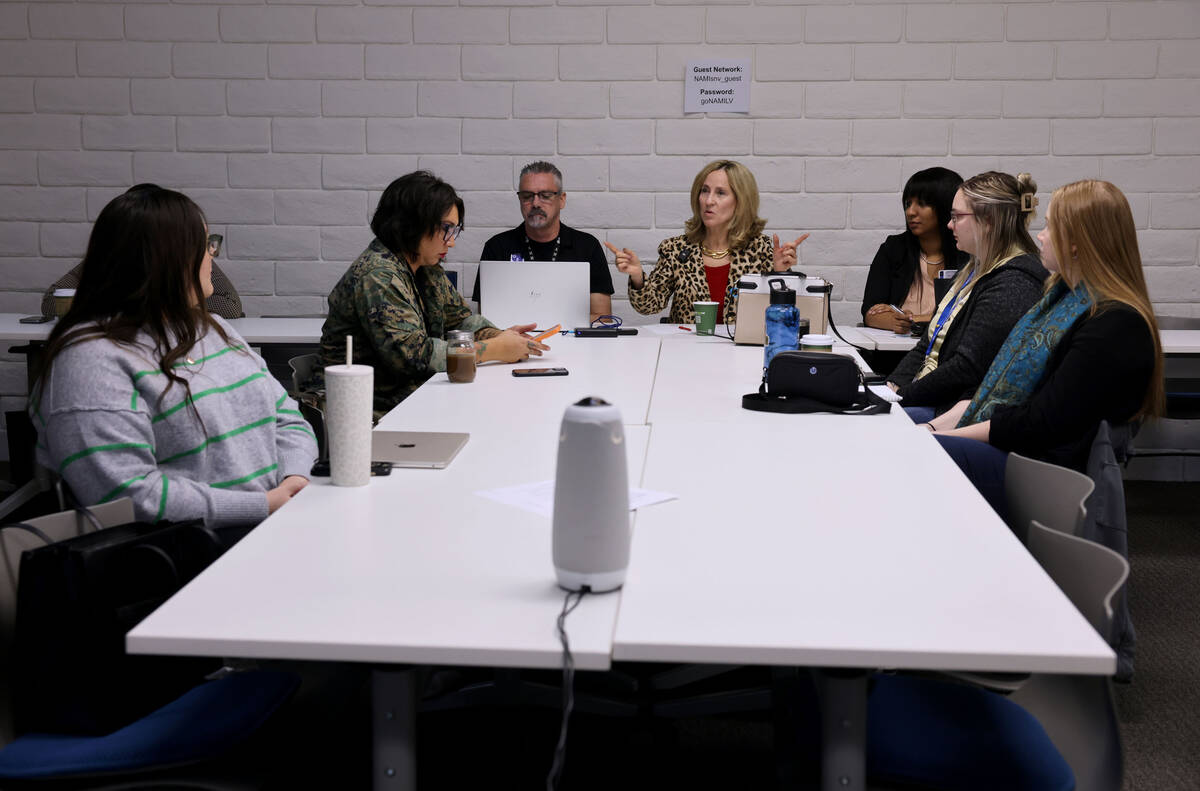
450	231
214	244
956	216
525	196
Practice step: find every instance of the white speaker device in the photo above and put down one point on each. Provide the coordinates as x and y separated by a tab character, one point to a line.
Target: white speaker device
591	498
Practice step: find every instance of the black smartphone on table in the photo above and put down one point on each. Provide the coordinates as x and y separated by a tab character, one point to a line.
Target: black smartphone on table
35	319
525	372
320	468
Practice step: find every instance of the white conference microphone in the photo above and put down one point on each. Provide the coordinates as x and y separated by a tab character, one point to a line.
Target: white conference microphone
591	498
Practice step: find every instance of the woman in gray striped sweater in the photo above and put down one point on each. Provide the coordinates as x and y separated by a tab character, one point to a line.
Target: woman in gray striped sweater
146	395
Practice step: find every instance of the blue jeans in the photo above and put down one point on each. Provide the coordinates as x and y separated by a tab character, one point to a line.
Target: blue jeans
983	464
919	414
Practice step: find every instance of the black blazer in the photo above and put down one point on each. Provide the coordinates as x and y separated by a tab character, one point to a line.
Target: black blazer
894	268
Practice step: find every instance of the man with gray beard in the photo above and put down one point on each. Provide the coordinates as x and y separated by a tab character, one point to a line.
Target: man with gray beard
543	237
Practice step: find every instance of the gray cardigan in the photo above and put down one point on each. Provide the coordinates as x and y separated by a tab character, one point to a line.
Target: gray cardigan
997	301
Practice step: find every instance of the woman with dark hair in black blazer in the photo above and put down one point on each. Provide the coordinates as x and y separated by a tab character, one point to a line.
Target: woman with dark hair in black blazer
906	265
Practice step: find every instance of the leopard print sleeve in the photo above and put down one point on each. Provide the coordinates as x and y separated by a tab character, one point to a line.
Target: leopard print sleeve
658	286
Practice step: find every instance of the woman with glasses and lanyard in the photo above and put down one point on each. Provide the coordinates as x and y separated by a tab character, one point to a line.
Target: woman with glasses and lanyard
145	394
397	303
990	218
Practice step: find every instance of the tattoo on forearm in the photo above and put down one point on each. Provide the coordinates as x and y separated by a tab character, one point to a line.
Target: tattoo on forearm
487	332
480	349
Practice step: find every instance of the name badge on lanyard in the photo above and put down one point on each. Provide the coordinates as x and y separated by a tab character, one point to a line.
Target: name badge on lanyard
946	311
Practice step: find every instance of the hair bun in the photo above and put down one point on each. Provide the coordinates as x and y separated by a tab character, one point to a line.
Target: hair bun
1026	188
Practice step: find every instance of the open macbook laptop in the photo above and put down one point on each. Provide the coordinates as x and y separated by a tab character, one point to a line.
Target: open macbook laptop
429	449
542	292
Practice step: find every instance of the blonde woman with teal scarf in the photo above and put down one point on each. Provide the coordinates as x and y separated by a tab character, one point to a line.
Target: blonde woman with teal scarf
1087	351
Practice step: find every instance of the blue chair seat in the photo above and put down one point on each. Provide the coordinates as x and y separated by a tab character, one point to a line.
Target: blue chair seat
203	723
950	736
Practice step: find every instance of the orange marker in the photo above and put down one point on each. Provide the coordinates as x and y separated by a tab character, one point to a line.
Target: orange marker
548	333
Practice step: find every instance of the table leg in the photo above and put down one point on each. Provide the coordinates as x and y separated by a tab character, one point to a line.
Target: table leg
843	696
394	729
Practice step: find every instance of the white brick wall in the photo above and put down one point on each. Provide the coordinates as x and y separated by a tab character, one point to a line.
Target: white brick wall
285	119
178	97
73	95
171	23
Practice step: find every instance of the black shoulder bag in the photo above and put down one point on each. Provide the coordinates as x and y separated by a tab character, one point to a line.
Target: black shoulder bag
802	382
76	599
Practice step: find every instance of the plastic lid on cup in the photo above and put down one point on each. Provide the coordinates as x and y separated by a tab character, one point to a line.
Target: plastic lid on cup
816	340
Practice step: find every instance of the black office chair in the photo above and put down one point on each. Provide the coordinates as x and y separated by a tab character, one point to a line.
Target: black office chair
311	403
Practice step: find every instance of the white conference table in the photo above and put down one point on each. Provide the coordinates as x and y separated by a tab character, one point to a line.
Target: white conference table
621	370
308	330
1180	342
772	554
448	577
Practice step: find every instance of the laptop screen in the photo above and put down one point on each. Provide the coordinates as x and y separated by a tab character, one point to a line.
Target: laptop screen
541	292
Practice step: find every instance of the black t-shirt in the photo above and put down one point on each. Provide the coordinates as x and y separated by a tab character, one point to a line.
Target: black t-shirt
573	245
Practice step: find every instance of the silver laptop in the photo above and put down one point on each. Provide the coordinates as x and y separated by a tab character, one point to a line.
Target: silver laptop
427	449
542	292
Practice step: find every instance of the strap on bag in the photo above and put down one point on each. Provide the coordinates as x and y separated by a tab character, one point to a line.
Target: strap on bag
30	529
870	404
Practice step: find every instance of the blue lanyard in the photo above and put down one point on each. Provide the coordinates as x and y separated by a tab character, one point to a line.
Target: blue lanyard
946	311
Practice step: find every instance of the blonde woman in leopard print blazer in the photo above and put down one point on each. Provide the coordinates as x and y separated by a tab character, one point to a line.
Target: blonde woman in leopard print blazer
721	242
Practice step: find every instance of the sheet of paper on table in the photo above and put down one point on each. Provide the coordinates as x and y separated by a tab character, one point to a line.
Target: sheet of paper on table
667	329
886	335
539	497
886	393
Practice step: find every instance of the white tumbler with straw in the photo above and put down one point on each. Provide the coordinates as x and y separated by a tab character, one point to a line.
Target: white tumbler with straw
349	391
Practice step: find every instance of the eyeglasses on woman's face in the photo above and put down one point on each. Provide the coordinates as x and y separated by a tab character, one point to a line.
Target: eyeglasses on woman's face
450	231
956	216
214	244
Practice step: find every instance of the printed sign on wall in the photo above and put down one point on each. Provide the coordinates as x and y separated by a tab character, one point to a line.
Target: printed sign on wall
717	86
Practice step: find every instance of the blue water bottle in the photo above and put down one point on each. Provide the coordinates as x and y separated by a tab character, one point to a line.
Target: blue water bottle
782	321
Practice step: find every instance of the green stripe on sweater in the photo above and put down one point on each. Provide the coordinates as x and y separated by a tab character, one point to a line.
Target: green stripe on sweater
244	478
218	438
211	391
111	495
162	501
133	399
186	363
99	449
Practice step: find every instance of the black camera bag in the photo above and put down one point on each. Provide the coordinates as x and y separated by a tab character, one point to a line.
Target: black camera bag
803	382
